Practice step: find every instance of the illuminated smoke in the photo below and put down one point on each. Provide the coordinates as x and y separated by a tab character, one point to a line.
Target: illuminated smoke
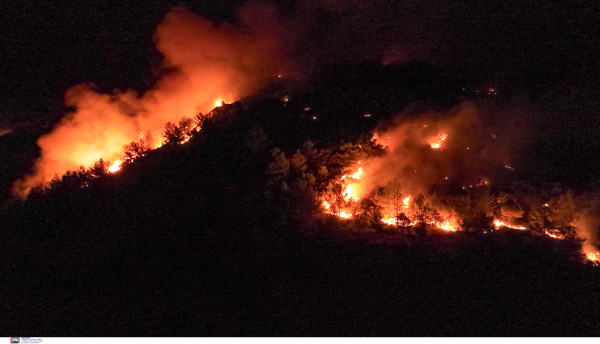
453	148
588	224
433	151
211	64
444	152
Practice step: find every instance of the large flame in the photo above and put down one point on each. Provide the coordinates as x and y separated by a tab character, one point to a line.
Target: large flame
424	155
212	65
115	167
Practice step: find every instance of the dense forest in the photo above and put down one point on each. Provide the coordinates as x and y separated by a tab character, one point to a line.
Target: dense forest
221	231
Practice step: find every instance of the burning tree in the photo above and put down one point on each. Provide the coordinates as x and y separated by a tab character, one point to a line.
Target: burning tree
425	214
134	150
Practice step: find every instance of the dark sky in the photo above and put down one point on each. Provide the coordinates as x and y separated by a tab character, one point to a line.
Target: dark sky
541	47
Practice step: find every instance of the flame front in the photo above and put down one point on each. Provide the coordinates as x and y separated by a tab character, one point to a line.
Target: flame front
115	167
209	72
498	224
438	143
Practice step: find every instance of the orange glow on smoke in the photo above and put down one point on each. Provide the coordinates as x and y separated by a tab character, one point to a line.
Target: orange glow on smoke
211	64
374	186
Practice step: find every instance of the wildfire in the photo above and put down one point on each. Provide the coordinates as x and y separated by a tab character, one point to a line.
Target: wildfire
327	209
554	234
498	224
103	123
438	143
389	221
395	210
345	215
448	226
358	174
350	193
115	167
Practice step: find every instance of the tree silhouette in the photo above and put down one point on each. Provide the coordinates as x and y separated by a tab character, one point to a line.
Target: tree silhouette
100	168
172	134
134	150
279	166
480	223
425	214
563	214
402	223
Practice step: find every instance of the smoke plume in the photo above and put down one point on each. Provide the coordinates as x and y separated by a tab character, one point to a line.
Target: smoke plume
208	63
440	151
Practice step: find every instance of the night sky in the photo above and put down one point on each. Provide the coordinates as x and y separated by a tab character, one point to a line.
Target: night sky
543	47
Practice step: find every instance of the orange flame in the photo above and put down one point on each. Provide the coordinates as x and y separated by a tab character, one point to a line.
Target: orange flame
448	226
115	167
207	64
498	224
554	234
437	144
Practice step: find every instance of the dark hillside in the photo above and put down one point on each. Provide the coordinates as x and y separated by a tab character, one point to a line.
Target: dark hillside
210	238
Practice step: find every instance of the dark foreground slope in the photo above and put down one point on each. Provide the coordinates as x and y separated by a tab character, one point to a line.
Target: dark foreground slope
196	240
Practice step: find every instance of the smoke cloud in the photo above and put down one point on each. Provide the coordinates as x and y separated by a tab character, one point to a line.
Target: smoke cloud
208	63
440	150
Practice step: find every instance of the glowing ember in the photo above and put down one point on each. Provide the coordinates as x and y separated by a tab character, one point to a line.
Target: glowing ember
448	226
345	215
327	209
358	174
499	224
595	256
115	167
437	144
554	234
389	221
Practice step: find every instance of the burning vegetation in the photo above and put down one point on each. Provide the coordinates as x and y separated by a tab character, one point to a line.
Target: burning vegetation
240	193
409	178
424	219
206	65
412	178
